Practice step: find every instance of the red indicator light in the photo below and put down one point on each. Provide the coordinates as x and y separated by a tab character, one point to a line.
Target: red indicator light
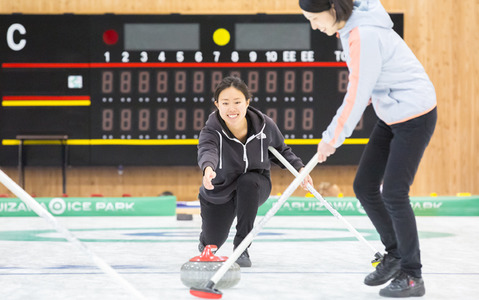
110	37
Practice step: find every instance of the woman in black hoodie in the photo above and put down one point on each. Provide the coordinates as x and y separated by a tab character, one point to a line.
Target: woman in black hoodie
233	154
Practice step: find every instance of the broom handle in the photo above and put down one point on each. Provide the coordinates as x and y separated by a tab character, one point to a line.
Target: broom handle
324	202
42	212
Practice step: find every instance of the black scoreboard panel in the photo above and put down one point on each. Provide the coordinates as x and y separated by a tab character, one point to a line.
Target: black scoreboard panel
137	89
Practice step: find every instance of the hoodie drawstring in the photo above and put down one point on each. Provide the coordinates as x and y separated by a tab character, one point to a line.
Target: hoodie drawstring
221	150
261	138
245	153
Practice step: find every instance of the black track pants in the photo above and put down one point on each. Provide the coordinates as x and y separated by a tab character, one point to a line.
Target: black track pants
391	158
253	189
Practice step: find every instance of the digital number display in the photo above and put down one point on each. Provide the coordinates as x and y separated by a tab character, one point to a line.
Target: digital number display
156	82
158	117
137	89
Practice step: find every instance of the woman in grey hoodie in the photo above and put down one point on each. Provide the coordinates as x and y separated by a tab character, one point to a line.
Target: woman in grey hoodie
383	72
233	154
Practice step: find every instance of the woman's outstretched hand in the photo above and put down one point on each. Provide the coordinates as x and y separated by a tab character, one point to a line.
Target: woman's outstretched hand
209	175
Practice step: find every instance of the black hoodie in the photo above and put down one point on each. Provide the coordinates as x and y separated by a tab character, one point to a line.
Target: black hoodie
230	158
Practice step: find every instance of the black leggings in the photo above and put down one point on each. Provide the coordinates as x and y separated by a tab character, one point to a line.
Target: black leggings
252	191
391	158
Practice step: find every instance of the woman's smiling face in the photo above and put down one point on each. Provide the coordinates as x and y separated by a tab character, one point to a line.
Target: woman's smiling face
232	105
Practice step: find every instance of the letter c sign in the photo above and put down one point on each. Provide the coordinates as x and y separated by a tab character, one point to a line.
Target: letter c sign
11	42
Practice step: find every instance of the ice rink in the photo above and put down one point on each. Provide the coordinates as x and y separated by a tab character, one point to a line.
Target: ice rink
311	257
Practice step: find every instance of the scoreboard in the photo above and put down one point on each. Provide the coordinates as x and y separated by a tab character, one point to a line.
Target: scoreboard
137	89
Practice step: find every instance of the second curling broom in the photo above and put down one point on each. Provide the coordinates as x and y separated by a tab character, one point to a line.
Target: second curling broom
377	255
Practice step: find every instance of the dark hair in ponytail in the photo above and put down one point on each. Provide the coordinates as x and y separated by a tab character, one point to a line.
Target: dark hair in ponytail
344	9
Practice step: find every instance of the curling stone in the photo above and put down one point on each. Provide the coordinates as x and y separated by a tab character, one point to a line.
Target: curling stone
198	270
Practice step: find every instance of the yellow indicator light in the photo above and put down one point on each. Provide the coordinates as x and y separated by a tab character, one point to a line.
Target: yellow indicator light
221	36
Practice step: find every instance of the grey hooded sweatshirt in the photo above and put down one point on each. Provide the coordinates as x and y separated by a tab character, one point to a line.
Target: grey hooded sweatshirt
382	71
230	158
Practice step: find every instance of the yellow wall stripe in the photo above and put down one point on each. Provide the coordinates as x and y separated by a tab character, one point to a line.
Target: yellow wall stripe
166	142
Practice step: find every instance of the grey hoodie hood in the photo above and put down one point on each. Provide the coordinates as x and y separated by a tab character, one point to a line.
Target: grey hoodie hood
367	12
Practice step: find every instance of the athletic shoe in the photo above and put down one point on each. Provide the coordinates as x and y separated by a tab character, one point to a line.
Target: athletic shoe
385	271
404	285
244	261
